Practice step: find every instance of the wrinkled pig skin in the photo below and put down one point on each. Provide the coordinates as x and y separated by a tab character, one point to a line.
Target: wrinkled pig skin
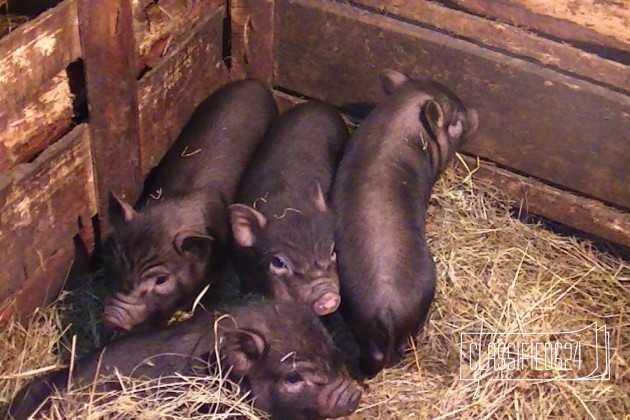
161	255
280	351
380	195
283	227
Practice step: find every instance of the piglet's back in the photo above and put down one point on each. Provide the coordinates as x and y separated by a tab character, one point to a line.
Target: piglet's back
218	142
306	148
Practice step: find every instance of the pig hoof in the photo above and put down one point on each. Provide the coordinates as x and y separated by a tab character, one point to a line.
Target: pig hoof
327	304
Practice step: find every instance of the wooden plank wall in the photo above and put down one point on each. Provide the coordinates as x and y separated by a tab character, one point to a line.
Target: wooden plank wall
42	204
597	24
35	96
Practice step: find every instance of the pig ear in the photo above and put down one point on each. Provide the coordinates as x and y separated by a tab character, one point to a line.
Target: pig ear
242	349
317	198
192	243
391	80
119	210
433	115
472	119
246	223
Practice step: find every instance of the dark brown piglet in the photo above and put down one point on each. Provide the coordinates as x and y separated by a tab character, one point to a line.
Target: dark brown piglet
284	229
166	251
280	351
381	194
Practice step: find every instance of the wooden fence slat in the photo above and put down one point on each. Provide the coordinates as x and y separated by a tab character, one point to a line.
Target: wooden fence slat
30	126
515	41
602	23
538	198
109	54
36	51
40	205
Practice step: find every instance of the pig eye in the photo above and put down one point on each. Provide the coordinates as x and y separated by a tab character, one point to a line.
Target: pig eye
293	378
160	280
278	263
333	254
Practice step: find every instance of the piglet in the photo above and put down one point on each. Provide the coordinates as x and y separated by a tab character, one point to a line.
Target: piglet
283	227
280	352
164	252
381	194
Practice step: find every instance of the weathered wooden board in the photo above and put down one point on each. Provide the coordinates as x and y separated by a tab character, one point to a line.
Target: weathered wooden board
109	54
506	38
40	207
162	25
27	128
170	92
566	131
592	22
36	51
252	39
537	197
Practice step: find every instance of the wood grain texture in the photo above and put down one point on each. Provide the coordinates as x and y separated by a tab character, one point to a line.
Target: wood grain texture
566	131
252	39
41	287
35	52
109	55
40	205
513	40
536	197
169	93
592	22
160	26
29	127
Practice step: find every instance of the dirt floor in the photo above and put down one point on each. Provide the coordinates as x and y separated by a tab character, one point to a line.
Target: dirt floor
496	274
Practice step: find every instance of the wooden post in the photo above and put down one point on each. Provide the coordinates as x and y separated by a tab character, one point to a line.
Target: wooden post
252	39
109	53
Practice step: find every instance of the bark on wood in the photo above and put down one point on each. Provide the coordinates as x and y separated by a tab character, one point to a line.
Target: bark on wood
36	51
600	22
568	132
29	127
252	39
40	204
515	41
169	93
109	56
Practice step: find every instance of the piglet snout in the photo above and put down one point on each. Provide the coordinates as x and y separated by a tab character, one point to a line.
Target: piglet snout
327	304
113	319
340	398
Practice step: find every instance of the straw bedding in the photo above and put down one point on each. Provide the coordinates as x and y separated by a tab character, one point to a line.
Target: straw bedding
496	274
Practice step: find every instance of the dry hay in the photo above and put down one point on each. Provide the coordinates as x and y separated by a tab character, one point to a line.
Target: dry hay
496	274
